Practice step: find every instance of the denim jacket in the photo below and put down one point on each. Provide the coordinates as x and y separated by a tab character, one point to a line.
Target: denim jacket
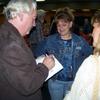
70	53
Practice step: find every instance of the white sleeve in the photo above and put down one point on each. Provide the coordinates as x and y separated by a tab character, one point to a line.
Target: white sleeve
82	83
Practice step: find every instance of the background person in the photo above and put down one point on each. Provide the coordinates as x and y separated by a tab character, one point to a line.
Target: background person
37	34
87	26
20	77
86	85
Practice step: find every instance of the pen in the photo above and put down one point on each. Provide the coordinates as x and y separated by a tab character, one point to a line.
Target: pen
47	54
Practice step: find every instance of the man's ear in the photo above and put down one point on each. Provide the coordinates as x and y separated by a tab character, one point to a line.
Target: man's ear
21	16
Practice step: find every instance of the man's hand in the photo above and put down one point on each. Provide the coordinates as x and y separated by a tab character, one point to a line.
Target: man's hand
49	61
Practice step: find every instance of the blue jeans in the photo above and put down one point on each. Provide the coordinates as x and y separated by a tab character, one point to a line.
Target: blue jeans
58	89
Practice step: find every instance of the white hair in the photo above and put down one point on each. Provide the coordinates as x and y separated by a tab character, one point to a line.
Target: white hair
41	12
14	7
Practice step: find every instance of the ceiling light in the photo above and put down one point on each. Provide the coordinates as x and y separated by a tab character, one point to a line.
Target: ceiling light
86	10
40	0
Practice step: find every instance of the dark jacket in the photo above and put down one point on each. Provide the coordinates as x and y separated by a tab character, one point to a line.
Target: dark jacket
20	77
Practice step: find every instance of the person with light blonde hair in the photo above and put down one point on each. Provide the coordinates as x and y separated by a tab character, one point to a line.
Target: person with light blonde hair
86	85
21	78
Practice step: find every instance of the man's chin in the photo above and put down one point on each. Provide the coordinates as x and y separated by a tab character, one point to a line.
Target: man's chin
27	33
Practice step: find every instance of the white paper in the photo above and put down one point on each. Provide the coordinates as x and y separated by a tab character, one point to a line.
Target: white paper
54	70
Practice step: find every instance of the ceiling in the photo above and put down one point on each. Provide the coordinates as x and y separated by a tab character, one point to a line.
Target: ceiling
74	4
3	2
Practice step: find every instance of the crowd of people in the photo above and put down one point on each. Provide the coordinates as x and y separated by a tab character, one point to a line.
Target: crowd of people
21	78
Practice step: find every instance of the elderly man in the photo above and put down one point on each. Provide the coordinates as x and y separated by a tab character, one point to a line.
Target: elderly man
20	77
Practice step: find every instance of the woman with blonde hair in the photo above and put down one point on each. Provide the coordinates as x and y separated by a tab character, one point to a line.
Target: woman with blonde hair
86	85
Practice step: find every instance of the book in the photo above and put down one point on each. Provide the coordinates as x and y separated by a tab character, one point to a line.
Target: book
58	66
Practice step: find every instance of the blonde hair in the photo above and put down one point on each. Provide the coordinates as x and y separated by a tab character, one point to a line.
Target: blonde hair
65	14
96	19
14	7
97	47
41	12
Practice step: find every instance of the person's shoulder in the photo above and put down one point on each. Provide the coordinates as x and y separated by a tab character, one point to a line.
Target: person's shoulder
89	61
89	58
54	36
78	38
86	70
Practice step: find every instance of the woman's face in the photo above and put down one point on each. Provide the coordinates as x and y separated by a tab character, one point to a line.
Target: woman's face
63	27
96	32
